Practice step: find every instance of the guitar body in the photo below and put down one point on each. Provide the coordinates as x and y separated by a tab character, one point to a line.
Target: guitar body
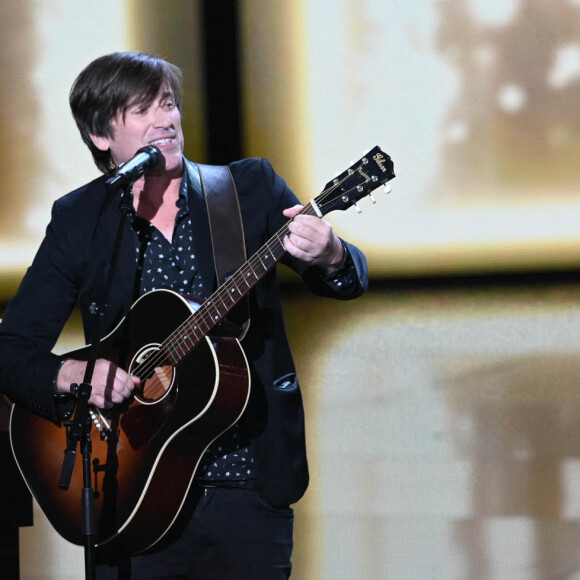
194	387
144	462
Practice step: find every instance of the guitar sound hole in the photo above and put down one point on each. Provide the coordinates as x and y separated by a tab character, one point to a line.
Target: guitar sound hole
157	385
156	381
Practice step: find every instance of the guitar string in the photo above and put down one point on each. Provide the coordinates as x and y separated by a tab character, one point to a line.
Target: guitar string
200	318
195	328
256	260
203	318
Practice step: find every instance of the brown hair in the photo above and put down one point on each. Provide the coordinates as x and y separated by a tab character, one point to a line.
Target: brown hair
110	85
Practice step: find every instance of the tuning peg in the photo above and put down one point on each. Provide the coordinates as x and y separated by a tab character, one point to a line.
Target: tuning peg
357	207
388	188
373	200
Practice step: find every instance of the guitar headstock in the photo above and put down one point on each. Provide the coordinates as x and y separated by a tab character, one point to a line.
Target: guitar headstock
359	180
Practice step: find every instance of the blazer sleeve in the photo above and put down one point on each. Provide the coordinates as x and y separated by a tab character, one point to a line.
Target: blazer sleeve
349	281
34	320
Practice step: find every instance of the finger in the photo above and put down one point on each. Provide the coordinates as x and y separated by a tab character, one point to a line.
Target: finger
292	211
311	227
99	400
111	384
292	244
122	387
304	230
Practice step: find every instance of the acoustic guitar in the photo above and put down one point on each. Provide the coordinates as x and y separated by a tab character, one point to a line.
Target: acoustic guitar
195	386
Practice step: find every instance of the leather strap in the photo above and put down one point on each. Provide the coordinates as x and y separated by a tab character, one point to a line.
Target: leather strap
227	230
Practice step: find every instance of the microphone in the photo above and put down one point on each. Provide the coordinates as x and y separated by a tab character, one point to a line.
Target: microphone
144	160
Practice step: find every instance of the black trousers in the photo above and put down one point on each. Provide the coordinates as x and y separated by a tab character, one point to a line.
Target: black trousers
233	534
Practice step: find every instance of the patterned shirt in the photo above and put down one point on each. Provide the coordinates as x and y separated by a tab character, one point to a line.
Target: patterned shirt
173	265
164	264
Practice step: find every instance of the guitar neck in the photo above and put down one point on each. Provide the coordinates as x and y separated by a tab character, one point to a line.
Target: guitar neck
342	192
216	307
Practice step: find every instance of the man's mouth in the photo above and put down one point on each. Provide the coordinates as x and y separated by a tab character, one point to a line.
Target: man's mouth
162	142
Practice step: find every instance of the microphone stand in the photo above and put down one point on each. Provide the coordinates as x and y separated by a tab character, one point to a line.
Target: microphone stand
79	427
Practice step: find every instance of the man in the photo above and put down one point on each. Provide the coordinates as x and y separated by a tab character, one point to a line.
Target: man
247	480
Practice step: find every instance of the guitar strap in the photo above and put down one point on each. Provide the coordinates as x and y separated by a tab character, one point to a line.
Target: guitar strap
227	232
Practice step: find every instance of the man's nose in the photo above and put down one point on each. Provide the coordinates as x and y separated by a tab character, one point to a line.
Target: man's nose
161	118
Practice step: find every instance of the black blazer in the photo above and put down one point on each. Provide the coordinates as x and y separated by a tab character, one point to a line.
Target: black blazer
71	266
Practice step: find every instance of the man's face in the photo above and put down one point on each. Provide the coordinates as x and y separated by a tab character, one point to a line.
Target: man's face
158	124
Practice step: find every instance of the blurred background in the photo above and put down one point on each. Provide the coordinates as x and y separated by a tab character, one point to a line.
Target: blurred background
443	409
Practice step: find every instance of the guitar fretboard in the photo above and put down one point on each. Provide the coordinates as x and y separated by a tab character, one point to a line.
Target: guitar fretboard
180	342
343	191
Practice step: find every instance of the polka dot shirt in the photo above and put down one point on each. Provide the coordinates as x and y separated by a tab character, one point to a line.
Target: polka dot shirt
173	265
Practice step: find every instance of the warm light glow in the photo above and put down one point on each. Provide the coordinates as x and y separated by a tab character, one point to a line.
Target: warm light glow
443	425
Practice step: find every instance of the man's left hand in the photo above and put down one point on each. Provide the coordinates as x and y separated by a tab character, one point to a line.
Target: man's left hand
312	240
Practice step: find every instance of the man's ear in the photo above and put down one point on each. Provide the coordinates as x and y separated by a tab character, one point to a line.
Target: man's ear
100	142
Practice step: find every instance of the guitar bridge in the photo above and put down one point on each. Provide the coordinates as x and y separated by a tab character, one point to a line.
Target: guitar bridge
100	423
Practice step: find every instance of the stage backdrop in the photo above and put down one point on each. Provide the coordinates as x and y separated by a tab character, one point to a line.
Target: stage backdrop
477	103
475	100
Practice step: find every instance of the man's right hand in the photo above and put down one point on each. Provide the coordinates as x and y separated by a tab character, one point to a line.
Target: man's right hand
110	384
